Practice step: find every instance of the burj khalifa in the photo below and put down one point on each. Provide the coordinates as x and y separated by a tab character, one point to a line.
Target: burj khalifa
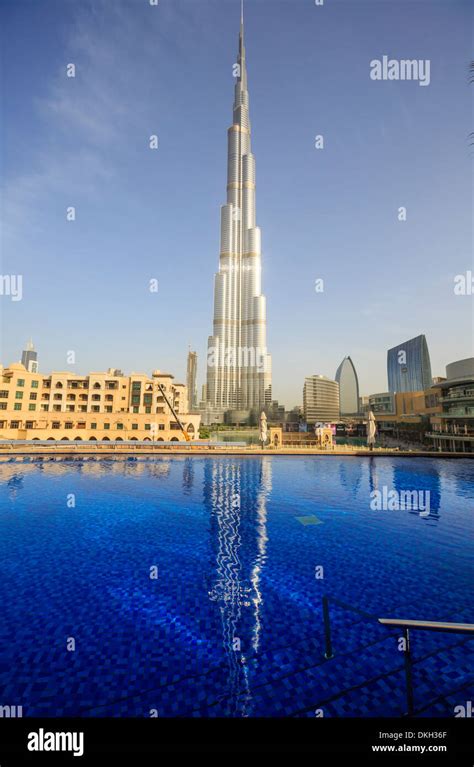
238	364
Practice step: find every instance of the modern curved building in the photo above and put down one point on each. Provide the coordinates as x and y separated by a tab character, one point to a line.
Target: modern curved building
453	429
346	377
461	370
238	365
409	366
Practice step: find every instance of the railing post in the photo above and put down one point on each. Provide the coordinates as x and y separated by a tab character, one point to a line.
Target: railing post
409	686
327	629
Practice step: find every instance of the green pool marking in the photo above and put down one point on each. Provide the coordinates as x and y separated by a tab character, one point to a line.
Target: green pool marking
309	520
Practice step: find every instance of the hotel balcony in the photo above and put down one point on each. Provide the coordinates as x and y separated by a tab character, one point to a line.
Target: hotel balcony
459	412
457	395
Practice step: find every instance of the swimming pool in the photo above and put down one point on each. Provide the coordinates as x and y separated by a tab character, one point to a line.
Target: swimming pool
192	586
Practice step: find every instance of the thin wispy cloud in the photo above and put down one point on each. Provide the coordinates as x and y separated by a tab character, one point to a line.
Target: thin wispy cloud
96	118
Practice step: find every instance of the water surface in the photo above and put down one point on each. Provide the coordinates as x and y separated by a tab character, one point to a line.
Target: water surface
232	625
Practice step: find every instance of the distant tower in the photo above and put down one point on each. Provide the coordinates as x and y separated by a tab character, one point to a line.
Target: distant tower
191	377
29	358
346	377
409	366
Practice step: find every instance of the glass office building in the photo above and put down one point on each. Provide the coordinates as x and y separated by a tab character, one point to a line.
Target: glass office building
408	366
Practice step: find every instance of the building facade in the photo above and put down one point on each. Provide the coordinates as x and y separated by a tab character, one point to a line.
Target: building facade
346	377
100	406
191	381
405	413
382	403
453	428
409	366
238	364
320	400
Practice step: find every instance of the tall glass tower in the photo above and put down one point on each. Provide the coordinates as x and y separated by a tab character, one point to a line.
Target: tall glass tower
238	365
409	366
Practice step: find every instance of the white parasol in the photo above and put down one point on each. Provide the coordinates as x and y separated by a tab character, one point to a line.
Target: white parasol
263	428
371	429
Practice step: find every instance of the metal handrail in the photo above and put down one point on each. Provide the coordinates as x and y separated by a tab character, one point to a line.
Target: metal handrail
407	625
453	628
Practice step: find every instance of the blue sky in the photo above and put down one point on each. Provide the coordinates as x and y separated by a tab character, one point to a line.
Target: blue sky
143	214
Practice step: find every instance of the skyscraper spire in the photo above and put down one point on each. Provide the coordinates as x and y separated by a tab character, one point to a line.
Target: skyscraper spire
238	372
241	57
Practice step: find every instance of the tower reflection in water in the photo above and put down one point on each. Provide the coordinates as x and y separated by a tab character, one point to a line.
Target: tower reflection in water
406	477
236	495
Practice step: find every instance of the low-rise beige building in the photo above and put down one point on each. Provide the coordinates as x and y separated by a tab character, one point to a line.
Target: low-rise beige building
392	408
100	406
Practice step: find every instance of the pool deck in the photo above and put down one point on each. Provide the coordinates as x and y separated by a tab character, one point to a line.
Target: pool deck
236	449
